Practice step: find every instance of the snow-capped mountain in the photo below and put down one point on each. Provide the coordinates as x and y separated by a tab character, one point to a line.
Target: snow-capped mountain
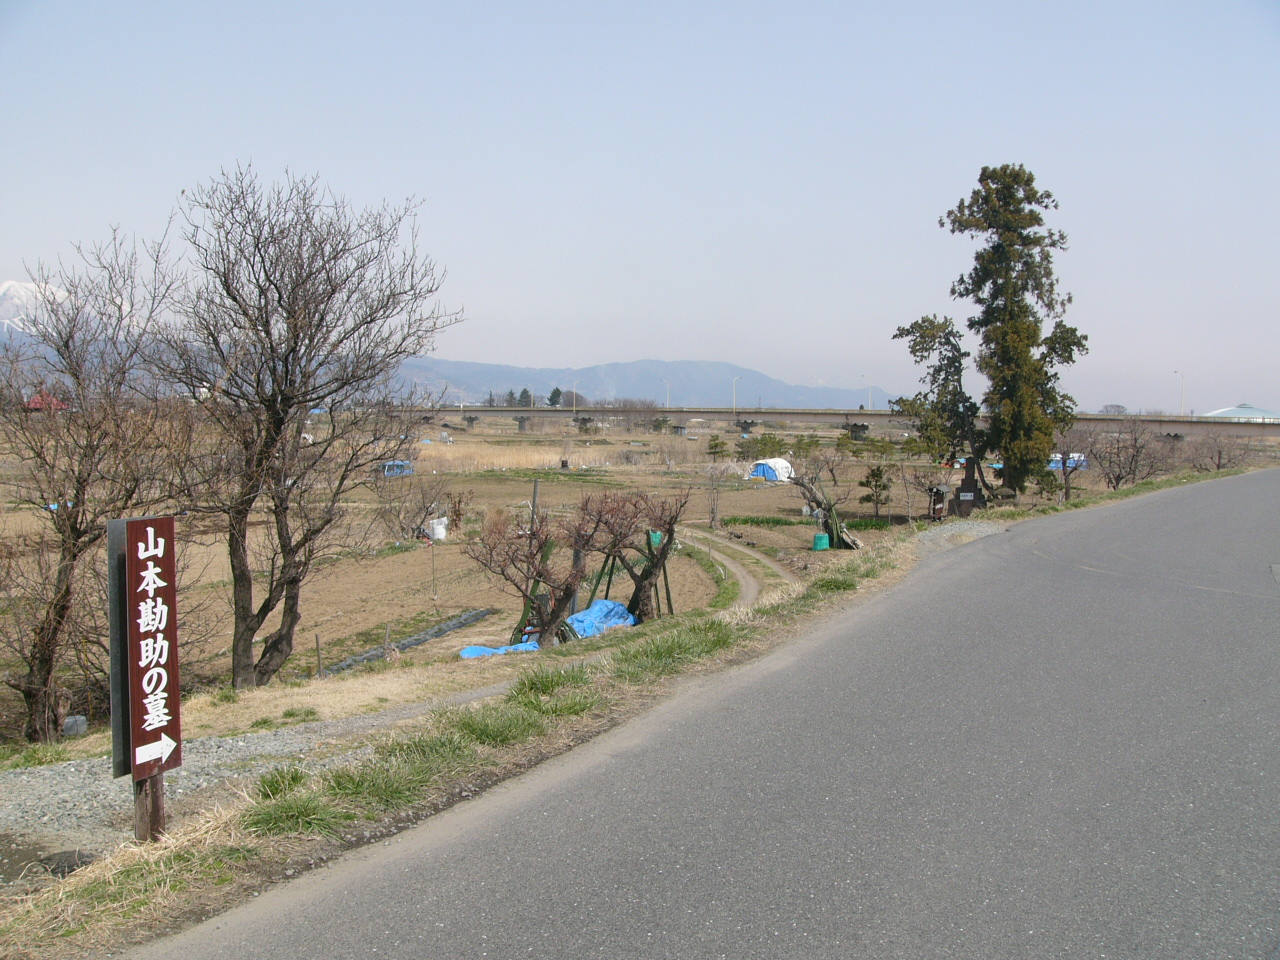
17	302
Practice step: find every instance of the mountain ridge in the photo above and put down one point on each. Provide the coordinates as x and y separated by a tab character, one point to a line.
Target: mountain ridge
676	383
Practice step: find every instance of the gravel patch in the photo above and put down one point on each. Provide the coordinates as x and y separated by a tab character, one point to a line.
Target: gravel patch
78	805
954	532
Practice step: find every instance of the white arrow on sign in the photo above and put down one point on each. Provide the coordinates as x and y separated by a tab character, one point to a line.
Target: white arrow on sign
158	750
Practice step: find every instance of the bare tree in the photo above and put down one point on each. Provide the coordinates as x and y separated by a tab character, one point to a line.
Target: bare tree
819	485
717	476
90	442
300	306
540	559
639	535
1128	454
406	504
1217	451
1069	447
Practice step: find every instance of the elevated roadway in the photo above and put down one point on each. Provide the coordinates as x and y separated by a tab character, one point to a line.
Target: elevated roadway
878	421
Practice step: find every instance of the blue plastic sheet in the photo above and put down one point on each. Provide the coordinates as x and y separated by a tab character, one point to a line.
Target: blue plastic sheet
599	617
470	653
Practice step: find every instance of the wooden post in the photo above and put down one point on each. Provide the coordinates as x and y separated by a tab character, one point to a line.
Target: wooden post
148	808
319	662
666	582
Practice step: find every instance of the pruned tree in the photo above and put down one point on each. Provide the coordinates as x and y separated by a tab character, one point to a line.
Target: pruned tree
1219	451
1069	446
300	306
717	476
1127	454
405	505
640	534
102	451
716	447
818	482
541	559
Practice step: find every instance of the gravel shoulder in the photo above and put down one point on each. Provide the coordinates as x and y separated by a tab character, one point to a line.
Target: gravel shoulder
77	808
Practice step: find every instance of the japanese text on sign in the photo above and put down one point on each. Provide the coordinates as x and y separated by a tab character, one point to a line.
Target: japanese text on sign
153	646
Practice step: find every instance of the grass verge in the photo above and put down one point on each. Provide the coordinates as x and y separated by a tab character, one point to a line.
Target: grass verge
548	707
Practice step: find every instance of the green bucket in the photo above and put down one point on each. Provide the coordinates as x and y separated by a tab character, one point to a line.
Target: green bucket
655	539
821	541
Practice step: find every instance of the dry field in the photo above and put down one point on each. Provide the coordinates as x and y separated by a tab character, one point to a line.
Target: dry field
378	590
371	589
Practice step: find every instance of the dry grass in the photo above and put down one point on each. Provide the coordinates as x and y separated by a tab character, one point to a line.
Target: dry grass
136	886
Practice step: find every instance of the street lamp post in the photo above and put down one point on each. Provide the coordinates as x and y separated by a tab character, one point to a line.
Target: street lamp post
734	385
1182	391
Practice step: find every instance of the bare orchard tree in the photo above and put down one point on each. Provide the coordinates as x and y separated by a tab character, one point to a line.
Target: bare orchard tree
1069	448
407	504
90	446
1127	454
718	475
540	559
639	533
300	306
818	481
1218	451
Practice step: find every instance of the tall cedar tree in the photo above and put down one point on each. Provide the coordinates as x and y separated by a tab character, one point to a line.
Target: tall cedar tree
1013	284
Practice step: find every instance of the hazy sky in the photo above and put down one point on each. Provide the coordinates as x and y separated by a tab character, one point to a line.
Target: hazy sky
758	183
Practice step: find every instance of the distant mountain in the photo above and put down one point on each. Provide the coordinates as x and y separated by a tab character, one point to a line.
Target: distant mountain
685	383
17	300
682	383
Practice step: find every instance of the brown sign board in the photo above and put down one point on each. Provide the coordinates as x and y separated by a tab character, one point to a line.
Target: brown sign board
144	657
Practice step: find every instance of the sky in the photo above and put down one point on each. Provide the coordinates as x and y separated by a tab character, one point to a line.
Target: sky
756	183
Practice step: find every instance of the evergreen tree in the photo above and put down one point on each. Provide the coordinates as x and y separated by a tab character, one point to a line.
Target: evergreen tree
1013	285
525	399
1016	291
553	398
877	483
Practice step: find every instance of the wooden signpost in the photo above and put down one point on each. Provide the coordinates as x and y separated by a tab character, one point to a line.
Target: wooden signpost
145	722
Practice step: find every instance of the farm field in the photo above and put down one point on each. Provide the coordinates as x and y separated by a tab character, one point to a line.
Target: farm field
372	589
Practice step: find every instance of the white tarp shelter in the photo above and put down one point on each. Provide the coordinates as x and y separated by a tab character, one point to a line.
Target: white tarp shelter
775	470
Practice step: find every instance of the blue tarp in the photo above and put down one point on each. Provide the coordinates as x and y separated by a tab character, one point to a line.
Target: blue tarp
1076	461
470	653
599	617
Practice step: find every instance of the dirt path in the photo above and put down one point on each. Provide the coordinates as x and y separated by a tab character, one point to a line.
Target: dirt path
731	555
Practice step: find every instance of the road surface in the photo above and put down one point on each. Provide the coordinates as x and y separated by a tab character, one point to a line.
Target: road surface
1056	742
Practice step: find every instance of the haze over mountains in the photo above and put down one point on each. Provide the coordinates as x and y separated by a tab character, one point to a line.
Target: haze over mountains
679	383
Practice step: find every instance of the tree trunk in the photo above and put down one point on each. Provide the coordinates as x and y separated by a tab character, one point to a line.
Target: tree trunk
38	687
277	646
245	620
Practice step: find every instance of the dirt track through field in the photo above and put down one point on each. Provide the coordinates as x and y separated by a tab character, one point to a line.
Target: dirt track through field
723	550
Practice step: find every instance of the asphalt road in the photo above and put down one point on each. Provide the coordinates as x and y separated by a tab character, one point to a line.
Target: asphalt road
1056	742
